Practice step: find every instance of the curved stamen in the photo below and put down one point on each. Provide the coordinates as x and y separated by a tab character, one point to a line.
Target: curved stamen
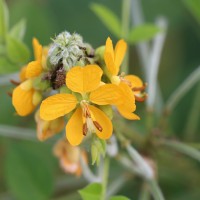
142	88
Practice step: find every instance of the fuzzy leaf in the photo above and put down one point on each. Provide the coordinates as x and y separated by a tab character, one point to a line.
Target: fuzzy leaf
4	20
108	18
17	51
91	192
18	30
143	32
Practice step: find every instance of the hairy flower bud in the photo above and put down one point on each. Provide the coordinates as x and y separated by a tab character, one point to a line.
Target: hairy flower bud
69	50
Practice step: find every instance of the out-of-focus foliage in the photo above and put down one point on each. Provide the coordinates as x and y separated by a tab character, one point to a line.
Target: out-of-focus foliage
178	175
13	52
193	6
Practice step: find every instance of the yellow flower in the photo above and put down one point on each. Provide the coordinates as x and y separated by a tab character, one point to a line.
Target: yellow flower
46	129
87	118
25	98
113	59
69	157
34	68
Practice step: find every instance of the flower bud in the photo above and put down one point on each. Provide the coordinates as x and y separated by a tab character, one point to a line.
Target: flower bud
47	129
69	50
37	98
98	149
99	53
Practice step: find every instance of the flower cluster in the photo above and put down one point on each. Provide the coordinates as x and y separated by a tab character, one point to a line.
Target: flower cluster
77	83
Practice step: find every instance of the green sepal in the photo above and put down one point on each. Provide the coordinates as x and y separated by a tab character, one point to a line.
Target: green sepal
98	149
65	90
99	53
40	84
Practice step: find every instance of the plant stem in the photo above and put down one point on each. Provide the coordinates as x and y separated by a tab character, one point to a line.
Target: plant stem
193	119
155	190
105	177
147	171
87	173
18	133
176	96
145	194
117	184
144	169
126	5
154	63
182	148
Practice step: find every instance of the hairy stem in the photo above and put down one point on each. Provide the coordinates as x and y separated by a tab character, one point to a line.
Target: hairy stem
126	5
105	177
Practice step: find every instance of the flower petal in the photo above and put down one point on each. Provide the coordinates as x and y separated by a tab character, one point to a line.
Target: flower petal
84	79
33	69
74	128
22	101
112	69
135	81
22	74
106	94
127	114
46	129
103	121
109	47
128	97
37	49
57	105
120	51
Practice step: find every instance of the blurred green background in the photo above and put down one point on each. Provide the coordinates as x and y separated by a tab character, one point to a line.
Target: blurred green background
179	176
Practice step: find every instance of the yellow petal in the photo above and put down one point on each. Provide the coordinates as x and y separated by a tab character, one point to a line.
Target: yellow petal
128	97
37	49
103	121
112	69
57	105
127	114
74	128
33	69
84	79
120	51
26	85
109	48
22	74
22	101
106	94
135	81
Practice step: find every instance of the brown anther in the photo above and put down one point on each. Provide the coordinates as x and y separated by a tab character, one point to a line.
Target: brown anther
85	129
86	111
141	98
98	126
9	94
15	82
140	88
